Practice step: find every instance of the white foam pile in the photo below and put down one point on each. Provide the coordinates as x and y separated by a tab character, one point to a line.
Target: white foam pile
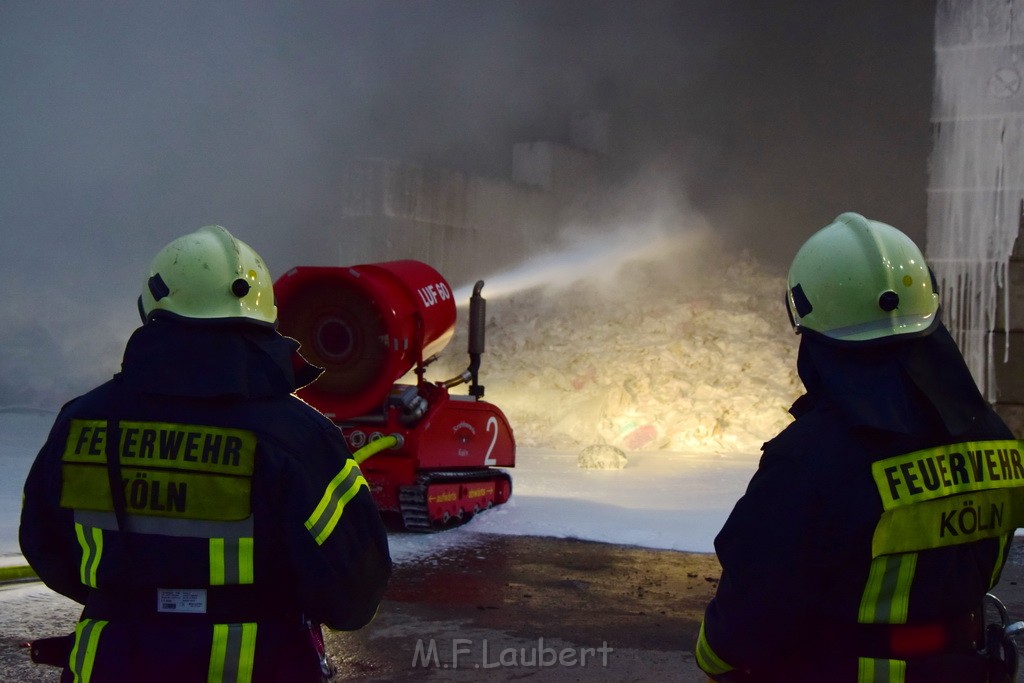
686	350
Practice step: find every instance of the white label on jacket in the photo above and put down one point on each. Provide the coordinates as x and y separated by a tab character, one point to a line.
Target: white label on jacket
181	600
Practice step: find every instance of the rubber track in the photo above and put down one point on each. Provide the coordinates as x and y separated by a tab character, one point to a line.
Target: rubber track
413	499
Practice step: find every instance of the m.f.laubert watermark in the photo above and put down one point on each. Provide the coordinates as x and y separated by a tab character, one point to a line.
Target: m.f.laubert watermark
467	653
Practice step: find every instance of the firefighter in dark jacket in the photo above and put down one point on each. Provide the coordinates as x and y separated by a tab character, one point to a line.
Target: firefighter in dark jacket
207	519
877	521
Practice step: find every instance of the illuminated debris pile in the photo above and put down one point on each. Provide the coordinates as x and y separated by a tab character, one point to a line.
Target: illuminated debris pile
692	352
602	457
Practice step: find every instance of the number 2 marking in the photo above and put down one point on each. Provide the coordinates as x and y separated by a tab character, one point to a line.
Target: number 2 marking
491	422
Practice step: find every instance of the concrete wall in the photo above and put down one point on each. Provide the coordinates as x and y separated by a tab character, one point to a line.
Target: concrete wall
466	227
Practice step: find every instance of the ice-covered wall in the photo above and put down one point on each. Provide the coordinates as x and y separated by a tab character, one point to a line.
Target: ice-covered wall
977	169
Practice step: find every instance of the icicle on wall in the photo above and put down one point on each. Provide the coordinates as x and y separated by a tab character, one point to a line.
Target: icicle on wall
977	168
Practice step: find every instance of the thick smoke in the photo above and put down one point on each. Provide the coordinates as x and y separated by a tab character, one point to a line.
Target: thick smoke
128	124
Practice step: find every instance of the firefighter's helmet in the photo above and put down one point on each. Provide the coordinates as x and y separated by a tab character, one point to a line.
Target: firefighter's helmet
859	280
210	275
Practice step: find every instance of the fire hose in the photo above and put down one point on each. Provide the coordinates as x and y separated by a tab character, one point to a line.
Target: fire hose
376	446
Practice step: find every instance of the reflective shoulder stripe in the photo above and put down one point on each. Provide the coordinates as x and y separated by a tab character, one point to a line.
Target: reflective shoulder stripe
886	598
881	670
232	653
231	561
91	541
707	660
83	654
339	492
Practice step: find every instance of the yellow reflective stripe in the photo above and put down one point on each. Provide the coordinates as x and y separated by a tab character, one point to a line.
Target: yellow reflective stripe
232	653
1003	540
83	654
949	521
881	670
949	470
707	660
886	597
216	561
247	655
158	492
218	653
245	561
339	492
231	561
91	541
865	670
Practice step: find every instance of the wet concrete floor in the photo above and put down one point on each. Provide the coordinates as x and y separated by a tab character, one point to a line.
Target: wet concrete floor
508	608
537	608
547	609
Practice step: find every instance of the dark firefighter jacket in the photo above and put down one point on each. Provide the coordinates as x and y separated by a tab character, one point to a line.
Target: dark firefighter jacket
239	513
873	527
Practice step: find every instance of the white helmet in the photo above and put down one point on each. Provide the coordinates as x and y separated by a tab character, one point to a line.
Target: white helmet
860	280
209	274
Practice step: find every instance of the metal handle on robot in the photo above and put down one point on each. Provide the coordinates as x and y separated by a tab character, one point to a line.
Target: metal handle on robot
1010	630
1000	647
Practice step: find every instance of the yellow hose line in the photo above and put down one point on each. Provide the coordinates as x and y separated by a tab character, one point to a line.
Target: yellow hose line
374	447
18	573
